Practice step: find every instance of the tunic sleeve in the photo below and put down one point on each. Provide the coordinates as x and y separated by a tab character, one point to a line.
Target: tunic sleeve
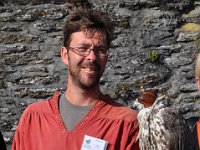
132	143
198	132
18	139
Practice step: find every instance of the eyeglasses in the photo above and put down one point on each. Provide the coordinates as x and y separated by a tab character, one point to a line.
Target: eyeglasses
83	51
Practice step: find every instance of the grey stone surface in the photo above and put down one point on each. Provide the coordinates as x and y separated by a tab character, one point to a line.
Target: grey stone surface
155	43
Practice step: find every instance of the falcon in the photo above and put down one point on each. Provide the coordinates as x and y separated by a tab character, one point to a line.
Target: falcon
161	127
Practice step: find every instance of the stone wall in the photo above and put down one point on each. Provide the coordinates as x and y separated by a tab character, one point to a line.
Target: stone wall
155	44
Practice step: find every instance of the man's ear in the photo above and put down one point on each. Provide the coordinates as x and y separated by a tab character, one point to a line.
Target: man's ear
64	55
198	83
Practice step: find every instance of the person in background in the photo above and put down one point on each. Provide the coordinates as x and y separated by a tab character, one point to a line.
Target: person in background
2	142
197	76
81	118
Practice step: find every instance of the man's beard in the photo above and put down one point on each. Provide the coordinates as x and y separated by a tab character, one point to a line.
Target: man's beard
85	83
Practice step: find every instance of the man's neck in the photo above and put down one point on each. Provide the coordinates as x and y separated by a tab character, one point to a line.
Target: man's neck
82	97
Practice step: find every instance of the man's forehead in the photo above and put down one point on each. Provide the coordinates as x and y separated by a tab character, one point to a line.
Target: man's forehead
89	34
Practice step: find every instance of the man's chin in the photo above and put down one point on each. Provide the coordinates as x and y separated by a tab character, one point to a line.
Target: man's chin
88	85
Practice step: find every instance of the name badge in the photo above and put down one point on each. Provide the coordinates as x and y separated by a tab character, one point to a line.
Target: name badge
92	143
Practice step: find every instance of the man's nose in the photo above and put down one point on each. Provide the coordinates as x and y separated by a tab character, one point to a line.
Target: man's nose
92	55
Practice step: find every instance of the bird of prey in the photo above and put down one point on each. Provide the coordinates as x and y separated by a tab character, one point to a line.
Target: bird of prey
161	127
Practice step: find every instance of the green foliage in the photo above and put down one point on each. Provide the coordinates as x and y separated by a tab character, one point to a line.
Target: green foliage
173	42
197	42
124	23
1	83
152	56
123	88
124	92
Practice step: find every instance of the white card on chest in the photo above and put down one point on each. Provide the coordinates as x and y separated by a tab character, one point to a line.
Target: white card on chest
92	143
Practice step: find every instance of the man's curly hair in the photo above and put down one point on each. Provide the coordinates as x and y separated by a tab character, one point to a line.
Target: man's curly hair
89	21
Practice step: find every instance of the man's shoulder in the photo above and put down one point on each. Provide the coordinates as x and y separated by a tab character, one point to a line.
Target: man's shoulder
125	112
41	107
117	110
44	106
37	106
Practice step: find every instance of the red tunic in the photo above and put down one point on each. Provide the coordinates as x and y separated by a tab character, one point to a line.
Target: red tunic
198	133
41	127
